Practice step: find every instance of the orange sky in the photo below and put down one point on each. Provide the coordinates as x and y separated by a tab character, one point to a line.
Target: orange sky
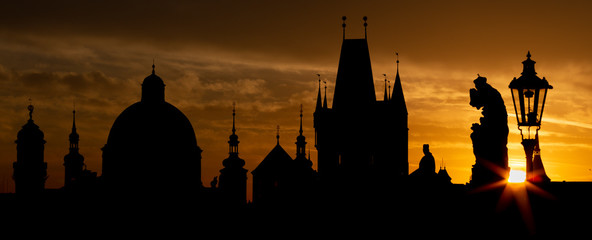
265	56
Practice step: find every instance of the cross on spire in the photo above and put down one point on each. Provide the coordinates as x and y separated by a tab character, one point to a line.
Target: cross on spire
278	135
233	116
300	120
343	25
30	108
365	27
153	66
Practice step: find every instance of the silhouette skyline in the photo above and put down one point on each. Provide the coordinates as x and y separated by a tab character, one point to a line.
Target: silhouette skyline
52	68
265	57
152	160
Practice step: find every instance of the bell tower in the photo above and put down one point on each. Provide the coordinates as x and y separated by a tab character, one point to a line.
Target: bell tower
30	170
233	177
73	161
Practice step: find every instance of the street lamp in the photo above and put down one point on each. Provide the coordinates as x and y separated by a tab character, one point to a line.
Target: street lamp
529	93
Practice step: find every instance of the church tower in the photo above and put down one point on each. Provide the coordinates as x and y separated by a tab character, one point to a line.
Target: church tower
73	161
233	177
361	140
30	170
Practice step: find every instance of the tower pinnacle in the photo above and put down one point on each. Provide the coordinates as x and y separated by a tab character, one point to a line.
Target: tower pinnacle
153	66
278	135
30	108
343	25
233	139
385	88
325	100
365	27
301	141
319	103
300	120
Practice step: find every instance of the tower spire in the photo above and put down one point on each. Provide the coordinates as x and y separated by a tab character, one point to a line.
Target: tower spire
365	27
389	89
300	120
397	97
343	25
397	54
74	137
319	103
277	136
325	100
73	116
153	66
300	141
233	139
233	116
385	88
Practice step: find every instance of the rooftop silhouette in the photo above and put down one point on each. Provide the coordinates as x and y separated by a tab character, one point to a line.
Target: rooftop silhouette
151	168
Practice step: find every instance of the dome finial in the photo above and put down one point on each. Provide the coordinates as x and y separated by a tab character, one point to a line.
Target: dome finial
528	54
74	115
233	116
153	66
30	108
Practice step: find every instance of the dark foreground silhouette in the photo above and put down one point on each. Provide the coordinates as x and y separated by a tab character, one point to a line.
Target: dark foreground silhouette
151	183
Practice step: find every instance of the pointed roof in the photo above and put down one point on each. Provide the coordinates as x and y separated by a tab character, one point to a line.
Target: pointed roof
354	87
443	175
397	97
319	103
74	137
277	160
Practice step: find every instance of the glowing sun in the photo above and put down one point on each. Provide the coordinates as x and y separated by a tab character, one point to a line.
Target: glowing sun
517	176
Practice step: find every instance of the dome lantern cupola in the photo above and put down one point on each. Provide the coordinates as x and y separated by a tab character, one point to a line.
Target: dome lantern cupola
153	88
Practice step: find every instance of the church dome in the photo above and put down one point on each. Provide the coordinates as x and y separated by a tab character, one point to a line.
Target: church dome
152	146
30	131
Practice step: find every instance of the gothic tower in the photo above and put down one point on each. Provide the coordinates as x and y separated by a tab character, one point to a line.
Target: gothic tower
73	161
361	140
30	170
233	177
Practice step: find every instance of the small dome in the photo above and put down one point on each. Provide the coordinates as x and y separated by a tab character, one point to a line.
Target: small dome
153	89
30	132
153	80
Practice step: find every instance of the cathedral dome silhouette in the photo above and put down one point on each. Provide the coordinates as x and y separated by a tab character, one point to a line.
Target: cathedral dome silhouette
152	147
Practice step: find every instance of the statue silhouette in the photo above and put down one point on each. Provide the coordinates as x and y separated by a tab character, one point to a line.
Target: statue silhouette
490	137
427	164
